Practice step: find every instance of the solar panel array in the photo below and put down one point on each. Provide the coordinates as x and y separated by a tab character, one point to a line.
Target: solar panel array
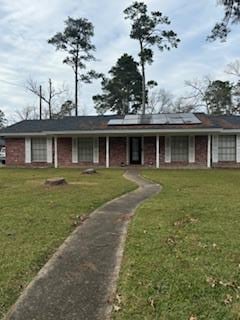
151	119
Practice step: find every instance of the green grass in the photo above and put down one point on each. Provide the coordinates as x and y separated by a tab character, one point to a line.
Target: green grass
182	257
35	219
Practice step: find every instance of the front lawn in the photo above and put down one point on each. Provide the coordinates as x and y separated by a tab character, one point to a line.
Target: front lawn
182	257
35	219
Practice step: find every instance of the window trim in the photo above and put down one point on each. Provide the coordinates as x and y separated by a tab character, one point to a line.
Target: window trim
31	150
221	148
92	150
187	150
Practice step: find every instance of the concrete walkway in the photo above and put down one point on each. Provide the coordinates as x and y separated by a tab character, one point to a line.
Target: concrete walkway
78	282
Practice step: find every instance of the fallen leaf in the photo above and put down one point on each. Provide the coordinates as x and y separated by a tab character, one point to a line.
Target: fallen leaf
116	308
151	302
228	299
211	281
118	298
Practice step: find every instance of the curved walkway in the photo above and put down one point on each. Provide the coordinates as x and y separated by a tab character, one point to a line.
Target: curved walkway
78	282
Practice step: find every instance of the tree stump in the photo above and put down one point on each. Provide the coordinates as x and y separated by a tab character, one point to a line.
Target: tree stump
89	171
55	182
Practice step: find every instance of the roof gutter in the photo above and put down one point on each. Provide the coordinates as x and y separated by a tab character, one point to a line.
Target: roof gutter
120	132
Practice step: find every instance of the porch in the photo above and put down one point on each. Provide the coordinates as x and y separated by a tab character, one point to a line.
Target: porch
133	150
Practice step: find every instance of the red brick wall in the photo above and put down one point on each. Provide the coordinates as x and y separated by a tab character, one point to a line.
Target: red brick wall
201	150
149	151
15	151
161	150
226	164
15	154
102	151
64	151
117	151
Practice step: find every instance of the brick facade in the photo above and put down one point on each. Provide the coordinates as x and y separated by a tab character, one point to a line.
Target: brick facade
201	150
201	154
149	147
15	153
64	151
117	151
226	164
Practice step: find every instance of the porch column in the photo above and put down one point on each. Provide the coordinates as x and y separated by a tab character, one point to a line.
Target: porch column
157	151
209	152
55	153
107	151
127	151
142	151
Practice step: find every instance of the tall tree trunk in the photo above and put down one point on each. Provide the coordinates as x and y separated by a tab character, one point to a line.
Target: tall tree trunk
143	80
50	99
76	81
40	102
76	90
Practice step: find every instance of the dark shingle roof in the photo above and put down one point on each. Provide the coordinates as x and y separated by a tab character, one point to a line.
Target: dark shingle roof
91	123
81	123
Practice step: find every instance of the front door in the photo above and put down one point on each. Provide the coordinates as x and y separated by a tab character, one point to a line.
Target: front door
135	150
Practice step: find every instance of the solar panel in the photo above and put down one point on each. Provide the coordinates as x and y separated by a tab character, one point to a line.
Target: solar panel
174	119
131	119
159	119
190	118
146	119
155	119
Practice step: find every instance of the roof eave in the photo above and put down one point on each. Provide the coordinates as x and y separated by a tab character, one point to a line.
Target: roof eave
121	132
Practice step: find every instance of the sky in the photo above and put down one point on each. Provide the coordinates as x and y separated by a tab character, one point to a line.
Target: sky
26	25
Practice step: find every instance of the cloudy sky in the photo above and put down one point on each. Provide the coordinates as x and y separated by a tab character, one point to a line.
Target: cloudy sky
27	24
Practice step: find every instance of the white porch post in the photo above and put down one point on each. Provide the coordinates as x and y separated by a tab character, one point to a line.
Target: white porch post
55	152
107	151
127	151
142	151
157	151
215	148
28	150
209	152
238	148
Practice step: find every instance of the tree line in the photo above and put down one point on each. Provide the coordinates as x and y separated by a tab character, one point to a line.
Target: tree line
126	89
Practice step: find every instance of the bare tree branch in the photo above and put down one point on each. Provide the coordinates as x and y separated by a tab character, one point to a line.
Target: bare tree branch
27	113
160	101
233	68
48	96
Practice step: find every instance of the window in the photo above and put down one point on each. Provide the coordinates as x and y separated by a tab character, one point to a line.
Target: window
85	149
39	150
179	148
227	148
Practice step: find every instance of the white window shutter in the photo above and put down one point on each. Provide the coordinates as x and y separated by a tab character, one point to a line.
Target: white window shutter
238	148
191	149
49	150
167	149
27	150
214	148
74	150
96	150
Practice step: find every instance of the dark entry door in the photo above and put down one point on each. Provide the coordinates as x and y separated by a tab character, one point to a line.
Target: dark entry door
135	150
